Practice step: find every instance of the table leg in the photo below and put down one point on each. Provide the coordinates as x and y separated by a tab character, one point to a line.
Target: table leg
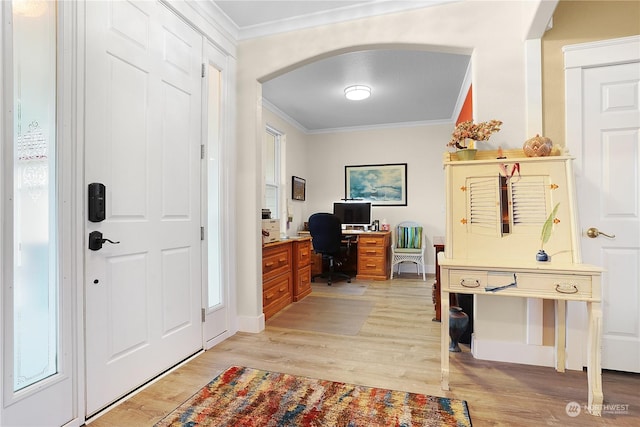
594	364
444	341
561	334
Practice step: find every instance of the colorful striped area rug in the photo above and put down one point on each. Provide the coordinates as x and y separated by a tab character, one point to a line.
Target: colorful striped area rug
246	397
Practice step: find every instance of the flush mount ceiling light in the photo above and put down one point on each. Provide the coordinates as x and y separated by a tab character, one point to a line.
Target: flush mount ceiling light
357	92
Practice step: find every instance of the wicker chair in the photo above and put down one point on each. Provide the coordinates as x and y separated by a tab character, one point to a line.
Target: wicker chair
408	244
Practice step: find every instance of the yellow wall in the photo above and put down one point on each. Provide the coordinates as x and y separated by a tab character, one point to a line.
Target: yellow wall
578	22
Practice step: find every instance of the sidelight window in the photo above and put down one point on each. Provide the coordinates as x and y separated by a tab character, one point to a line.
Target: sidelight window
35	278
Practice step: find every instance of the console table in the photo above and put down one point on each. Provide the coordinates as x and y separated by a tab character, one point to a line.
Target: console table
559	282
501	209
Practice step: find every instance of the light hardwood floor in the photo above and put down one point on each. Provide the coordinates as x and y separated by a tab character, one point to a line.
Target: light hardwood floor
398	347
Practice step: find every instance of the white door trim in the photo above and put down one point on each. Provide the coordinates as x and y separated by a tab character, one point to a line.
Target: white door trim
587	55
604	52
578	57
70	268
76	26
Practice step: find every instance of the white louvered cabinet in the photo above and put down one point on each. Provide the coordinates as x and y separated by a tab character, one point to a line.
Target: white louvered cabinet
498	208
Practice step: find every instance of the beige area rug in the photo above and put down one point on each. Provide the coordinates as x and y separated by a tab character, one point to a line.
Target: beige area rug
340	288
337	316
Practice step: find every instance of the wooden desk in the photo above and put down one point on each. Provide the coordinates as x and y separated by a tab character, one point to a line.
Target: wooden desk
559	282
301	268
286	273
373	254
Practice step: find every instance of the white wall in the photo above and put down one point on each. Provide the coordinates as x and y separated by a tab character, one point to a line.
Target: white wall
419	147
492	31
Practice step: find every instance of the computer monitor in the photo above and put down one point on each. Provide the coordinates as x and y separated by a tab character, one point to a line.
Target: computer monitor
353	213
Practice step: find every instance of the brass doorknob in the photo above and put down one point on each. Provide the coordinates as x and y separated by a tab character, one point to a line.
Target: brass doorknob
594	232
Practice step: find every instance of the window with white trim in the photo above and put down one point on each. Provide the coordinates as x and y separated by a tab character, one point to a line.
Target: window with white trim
272	168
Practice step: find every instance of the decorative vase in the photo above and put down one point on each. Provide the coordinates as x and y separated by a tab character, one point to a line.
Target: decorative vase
538	146
466	154
542	256
458	323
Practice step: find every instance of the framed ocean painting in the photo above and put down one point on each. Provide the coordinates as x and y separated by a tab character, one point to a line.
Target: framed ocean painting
382	185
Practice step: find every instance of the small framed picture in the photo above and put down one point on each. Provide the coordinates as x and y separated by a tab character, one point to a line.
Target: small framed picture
298	188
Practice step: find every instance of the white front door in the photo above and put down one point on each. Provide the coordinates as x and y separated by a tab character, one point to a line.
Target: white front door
609	195
143	125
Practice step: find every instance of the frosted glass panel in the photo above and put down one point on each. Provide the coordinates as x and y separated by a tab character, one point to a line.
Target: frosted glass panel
215	294
35	280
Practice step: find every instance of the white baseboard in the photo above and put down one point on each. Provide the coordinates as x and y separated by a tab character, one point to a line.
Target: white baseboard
217	340
408	267
252	324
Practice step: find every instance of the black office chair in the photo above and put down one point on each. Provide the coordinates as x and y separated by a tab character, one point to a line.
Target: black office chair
326	237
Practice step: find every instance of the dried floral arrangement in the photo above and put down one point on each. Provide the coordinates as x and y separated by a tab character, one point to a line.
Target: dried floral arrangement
474	131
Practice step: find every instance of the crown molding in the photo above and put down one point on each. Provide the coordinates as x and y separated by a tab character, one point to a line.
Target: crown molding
382	126
284	116
218	17
342	14
290	120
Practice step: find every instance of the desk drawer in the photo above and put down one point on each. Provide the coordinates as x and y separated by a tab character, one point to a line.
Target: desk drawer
467	280
302	285
370	241
303	254
275	261
553	286
371	266
276	289
371	251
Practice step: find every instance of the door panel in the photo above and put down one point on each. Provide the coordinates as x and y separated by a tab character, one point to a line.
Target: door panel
143	142
125	154
125	328
610	202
